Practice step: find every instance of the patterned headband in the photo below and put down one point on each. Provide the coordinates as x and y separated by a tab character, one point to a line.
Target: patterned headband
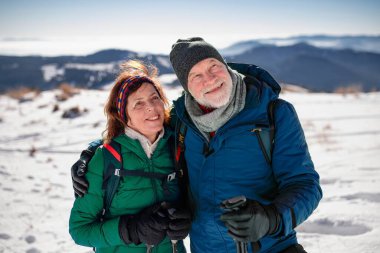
128	85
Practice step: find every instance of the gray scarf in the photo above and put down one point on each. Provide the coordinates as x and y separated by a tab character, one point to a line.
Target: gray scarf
212	121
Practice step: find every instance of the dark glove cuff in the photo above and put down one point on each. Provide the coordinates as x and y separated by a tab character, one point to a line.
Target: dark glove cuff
86	155
274	218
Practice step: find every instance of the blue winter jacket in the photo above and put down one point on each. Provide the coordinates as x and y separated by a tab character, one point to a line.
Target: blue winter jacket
233	164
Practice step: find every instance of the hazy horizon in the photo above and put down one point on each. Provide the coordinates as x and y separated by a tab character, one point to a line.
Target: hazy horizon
84	46
79	27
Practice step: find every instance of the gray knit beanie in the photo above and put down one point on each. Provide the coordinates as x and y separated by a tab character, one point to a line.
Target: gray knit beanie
188	52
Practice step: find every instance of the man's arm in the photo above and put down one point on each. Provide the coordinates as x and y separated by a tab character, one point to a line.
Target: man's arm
79	168
299	191
298	186
84	225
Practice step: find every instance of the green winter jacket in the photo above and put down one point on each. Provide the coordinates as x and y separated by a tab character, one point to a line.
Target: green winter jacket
133	194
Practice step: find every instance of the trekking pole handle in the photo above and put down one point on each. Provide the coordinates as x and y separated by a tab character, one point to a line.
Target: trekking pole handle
149	248
234	204
171	211
174	246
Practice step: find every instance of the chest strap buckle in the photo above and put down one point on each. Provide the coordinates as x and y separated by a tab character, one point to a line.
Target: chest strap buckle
171	177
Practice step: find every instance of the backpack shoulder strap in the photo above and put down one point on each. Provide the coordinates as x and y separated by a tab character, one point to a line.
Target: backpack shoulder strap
179	149
180	133
187	198
112	165
272	123
266	134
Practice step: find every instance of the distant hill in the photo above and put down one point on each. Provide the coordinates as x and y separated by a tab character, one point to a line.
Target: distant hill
314	68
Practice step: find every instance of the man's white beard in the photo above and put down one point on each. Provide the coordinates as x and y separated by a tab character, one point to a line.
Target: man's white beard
219	101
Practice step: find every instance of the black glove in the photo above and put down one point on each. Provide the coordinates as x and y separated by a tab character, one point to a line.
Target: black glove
251	222
78	171
179	224
148	226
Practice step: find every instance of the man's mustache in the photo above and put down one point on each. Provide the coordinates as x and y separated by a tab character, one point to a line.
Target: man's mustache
217	84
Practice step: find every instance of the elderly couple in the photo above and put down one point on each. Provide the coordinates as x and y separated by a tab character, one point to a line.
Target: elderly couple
211	142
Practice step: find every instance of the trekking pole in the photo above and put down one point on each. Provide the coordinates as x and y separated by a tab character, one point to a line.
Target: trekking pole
174	246
170	210
234	204
149	248
174	242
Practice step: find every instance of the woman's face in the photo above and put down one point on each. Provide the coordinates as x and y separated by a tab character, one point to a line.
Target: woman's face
145	111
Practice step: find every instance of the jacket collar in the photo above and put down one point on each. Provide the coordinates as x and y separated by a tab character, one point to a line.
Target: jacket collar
134	145
252	99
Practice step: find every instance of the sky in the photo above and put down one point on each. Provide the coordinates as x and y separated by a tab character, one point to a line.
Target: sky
79	26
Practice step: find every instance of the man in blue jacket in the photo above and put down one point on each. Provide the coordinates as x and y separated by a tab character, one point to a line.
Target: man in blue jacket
223	110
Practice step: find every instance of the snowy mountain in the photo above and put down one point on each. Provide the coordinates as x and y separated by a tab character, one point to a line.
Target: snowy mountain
40	140
322	67
91	71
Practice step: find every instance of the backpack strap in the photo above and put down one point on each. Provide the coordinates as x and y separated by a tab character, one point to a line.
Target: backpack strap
266	137
272	122
179	155
180	133
112	162
187	199
113	165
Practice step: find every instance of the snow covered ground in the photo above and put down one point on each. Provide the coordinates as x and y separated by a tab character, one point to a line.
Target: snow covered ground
38	147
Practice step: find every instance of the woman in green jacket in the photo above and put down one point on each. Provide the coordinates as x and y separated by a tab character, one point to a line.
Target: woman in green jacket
139	219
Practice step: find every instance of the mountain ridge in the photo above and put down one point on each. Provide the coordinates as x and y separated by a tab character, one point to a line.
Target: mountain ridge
314	68
302	64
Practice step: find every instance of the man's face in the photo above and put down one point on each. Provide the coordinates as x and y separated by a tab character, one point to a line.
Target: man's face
210	83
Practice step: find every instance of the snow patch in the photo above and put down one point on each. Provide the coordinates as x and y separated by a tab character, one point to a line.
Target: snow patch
330	227
92	67
50	71
366	196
